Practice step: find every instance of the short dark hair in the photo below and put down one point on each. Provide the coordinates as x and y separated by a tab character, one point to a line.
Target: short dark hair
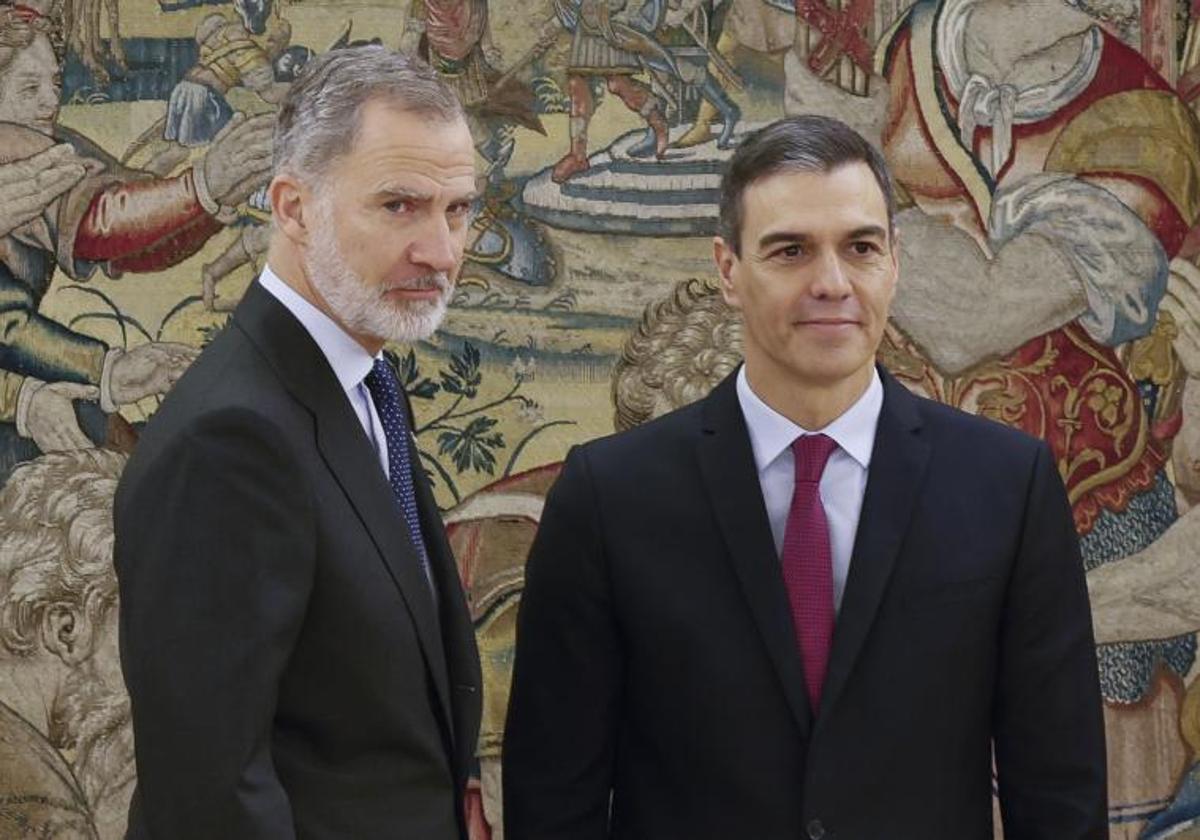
808	142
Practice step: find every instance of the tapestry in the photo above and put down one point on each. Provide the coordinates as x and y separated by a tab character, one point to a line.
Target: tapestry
1047	158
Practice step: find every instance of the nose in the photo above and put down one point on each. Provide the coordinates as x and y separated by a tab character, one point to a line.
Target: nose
438	247
831	281
47	101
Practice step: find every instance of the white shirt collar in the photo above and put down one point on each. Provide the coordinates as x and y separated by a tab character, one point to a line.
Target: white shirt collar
771	433
349	359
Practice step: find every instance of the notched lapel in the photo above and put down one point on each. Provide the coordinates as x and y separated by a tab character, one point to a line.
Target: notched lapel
304	371
727	465
897	471
357	470
458	631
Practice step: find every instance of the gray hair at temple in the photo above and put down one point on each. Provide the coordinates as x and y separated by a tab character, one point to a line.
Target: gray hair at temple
804	143
684	345
56	541
319	118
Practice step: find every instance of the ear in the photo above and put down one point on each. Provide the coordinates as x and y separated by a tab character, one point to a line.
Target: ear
726	260
290	199
66	633
894	249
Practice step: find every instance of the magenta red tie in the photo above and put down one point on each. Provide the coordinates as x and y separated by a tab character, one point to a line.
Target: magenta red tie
808	563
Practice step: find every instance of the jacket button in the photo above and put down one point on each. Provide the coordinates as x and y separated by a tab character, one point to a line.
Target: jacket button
815	830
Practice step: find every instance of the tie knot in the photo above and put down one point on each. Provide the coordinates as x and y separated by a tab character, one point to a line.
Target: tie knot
381	380
810	453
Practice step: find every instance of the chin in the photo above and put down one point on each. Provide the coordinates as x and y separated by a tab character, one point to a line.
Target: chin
834	373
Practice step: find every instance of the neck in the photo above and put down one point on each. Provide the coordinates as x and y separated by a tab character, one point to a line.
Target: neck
809	406
288	265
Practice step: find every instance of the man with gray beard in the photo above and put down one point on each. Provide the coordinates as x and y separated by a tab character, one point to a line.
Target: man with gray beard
295	640
60	685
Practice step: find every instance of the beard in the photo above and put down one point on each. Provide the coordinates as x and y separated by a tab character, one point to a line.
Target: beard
362	308
93	721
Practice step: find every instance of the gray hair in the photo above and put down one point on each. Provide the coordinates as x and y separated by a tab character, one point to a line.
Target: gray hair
321	114
684	345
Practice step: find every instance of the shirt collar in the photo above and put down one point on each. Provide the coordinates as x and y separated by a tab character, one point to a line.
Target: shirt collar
771	433
349	360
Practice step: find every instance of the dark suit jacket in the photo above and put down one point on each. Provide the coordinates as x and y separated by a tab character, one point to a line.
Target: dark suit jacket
656	658
289	673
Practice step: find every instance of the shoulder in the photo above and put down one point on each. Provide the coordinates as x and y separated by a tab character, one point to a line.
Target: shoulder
972	441
658	454
655	438
230	390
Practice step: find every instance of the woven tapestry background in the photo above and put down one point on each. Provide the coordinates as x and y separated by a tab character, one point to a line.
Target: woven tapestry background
589	302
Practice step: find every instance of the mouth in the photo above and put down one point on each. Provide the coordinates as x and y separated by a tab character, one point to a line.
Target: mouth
421	288
828	323
400	293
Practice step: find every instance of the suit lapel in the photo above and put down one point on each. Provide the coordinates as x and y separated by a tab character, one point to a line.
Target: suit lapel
458	632
895	476
730	478
306	374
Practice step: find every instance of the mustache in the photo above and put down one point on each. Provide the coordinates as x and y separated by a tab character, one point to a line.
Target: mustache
434	280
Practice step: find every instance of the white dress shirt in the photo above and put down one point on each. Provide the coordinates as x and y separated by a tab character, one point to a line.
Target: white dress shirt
842	484
348	359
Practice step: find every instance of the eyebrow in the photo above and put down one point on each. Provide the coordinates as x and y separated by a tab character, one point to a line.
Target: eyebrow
791	236
401	192
417	195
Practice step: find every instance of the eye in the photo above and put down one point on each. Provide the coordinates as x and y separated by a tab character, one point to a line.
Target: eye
460	208
789	252
865	248
398	205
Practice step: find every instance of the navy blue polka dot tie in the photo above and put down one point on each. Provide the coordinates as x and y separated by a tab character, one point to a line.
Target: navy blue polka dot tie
385	393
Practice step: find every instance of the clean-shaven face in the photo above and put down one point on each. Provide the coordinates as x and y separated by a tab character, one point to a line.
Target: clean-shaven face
815	278
30	87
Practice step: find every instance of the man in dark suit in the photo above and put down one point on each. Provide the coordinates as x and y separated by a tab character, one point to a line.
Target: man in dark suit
811	604
294	637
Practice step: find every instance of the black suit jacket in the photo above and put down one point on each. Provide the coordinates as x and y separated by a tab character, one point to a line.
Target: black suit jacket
656	659
289	672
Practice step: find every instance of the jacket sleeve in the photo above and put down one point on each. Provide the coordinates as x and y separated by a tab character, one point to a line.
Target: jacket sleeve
562	727
139	225
215	557
1049	725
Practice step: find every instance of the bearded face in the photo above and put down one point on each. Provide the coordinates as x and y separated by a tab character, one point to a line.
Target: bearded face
368	309
90	720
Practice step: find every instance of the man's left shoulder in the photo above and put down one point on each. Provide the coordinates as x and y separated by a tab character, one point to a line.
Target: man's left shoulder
977	436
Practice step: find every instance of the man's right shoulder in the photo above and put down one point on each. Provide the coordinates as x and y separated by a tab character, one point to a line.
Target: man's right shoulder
230	382
663	439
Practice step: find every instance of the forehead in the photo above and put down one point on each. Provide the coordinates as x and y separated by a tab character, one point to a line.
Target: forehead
815	202
412	150
35	59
